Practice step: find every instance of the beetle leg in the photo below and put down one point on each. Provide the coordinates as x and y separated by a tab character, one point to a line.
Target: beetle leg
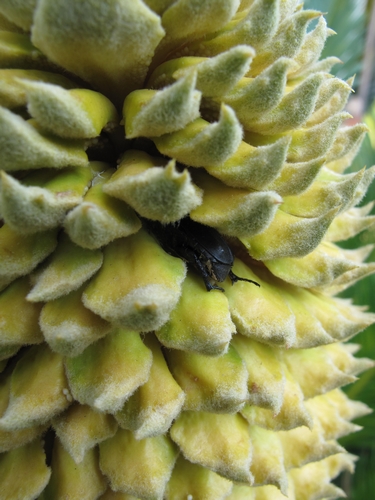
233	277
205	275
211	286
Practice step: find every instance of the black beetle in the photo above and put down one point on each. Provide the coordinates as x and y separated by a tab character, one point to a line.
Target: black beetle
201	246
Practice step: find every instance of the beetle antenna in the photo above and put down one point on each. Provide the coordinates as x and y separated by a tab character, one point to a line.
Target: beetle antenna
233	277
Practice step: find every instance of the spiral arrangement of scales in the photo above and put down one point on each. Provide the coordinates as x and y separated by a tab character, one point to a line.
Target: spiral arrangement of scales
122	376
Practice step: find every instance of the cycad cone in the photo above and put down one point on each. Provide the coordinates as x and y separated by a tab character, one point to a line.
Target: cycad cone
122	377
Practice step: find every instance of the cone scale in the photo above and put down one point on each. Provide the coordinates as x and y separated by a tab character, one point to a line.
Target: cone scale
122	377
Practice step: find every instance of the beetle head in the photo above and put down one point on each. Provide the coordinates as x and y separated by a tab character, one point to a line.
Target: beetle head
218	270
